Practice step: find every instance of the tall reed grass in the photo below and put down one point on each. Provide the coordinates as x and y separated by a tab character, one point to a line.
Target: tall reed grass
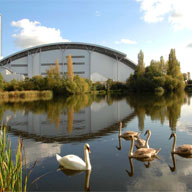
11	178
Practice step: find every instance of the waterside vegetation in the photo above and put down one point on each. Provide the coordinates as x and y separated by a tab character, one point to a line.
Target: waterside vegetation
11	172
159	77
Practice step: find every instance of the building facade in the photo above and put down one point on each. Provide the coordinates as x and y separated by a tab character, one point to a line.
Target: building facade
94	62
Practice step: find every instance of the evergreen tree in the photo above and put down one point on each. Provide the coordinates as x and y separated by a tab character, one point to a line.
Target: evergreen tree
173	65
70	74
141	65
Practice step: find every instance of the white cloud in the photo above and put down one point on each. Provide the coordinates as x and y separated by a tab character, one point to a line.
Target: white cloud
97	13
159	178
178	12
32	33
125	41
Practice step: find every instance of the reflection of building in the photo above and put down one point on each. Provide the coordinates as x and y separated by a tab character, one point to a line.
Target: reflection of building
98	119
91	61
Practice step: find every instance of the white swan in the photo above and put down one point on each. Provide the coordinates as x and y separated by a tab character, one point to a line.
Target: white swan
74	162
141	143
182	150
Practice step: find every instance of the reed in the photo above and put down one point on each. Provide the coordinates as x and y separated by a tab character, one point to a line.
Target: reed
11	175
17	96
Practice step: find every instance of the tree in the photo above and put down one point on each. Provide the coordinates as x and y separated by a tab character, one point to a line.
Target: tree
70	74
57	68
173	65
185	76
54	71
163	65
1	81
141	65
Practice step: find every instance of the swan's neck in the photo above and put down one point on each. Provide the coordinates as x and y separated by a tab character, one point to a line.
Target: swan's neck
174	144
131	150
174	163
131	166
88	173
120	130
87	160
147	140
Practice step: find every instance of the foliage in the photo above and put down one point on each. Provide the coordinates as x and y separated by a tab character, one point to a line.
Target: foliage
158	107
1	81
11	172
158	74
141	65
70	74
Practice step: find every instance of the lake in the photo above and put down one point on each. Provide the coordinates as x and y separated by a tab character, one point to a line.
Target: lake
62	126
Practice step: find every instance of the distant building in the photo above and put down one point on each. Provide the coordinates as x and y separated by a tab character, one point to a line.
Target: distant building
94	62
9	75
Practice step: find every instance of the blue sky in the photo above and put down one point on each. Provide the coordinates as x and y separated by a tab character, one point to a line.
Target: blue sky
155	26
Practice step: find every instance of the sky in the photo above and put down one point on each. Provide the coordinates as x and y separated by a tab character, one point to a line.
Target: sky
153	26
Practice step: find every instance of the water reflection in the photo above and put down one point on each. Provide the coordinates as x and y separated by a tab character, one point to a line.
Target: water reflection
87	173
158	107
147	165
82	115
65	124
72	119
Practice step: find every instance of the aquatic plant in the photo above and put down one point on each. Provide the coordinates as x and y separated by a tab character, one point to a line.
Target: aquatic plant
11	178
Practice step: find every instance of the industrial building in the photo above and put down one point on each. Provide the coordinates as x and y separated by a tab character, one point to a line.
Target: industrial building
95	62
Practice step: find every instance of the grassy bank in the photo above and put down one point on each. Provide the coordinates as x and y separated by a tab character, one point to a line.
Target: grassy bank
11	172
14	96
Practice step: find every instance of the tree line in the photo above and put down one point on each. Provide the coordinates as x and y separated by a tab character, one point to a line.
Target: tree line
159	76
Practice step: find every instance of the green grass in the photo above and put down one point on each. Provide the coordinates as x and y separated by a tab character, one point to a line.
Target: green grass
11	178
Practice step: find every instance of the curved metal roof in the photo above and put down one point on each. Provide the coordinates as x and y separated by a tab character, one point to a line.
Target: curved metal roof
69	45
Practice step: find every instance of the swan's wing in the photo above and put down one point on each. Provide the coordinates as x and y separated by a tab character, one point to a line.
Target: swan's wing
140	142
146	152
72	162
184	148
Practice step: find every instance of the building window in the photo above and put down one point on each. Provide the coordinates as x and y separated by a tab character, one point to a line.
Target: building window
79	72
18	65
76	56
61	64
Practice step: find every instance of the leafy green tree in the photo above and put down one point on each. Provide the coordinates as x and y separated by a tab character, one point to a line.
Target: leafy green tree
173	65
39	82
163	67
141	64
185	76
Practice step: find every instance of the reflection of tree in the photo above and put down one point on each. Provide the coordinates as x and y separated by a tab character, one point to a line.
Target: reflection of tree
53	108
157	107
141	118
70	117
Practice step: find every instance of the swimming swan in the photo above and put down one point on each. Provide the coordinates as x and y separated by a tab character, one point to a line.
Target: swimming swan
74	162
141	143
142	153
182	150
127	135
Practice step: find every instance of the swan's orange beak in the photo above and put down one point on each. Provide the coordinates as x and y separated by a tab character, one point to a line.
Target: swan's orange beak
89	151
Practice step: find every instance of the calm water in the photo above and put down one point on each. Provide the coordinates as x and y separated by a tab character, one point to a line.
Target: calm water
63	126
